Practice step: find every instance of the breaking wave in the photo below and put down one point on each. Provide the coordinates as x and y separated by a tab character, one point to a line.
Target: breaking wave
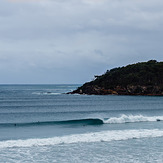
103	136
132	119
90	121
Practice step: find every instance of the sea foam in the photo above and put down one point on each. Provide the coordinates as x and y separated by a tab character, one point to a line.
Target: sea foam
103	136
46	93
133	118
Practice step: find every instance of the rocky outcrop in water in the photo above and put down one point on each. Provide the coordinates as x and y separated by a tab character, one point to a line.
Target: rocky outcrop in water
145	78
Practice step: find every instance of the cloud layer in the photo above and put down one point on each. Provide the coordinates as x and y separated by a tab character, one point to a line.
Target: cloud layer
68	41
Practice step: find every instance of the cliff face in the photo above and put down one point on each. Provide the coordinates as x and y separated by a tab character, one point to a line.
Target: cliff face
144	78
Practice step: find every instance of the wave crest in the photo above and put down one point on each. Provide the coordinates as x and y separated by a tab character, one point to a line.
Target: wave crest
89	121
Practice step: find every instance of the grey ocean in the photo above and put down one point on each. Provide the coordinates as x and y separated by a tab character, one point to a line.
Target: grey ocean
39	123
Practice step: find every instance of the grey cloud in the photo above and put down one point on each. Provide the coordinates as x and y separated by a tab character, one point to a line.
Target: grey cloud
68	37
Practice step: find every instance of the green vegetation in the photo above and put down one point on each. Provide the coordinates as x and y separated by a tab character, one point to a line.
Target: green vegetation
145	78
146	73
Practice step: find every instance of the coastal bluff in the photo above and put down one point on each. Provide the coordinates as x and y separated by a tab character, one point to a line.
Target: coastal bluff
143	78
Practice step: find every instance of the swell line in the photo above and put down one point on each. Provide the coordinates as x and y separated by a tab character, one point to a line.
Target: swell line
89	121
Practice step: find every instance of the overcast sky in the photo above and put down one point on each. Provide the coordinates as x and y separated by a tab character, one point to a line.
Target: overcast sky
70	41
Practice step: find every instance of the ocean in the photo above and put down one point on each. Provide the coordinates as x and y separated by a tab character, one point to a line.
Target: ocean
40	123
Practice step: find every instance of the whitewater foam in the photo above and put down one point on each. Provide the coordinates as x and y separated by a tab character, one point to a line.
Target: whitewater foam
46	93
103	136
133	118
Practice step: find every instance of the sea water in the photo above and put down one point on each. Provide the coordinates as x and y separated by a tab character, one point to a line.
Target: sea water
40	123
